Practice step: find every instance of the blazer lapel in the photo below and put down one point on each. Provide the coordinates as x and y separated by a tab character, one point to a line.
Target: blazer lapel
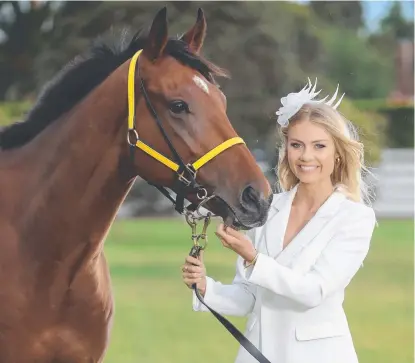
274	230
312	228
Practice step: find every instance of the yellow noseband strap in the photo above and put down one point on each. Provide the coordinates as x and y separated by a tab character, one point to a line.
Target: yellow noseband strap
150	151
216	151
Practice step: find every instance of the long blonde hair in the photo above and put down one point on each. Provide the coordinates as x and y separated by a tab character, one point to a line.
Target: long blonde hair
349	171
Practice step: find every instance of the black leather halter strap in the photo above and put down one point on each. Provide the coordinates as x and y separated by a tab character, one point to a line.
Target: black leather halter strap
185	181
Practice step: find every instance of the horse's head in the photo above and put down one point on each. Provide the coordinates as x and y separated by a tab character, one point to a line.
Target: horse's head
177	90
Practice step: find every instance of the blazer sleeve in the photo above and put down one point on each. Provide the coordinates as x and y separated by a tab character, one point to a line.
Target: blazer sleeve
237	299
332	271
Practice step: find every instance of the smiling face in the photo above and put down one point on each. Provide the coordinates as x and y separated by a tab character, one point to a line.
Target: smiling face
310	152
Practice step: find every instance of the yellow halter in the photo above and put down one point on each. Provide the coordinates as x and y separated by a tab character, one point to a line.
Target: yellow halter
150	151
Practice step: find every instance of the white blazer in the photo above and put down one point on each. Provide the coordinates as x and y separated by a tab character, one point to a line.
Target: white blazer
294	296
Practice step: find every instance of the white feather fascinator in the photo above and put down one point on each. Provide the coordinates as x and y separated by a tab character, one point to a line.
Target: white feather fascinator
292	103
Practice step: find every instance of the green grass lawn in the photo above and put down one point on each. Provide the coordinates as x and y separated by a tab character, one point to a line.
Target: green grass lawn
154	321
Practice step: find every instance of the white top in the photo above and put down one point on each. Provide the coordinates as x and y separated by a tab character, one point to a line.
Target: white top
294	296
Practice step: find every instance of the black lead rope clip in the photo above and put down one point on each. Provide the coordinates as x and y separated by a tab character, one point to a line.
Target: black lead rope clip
197	247
195	251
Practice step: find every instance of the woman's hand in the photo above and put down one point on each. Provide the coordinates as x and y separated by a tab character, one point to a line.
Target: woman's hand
194	272
236	241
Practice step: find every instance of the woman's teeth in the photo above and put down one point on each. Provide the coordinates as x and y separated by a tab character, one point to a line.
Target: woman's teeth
308	168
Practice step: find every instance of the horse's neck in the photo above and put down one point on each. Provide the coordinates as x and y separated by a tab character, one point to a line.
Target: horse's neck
76	181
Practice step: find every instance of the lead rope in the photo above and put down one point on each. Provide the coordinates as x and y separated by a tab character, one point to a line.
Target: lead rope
195	252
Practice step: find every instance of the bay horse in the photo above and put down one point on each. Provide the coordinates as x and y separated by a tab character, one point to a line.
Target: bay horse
117	112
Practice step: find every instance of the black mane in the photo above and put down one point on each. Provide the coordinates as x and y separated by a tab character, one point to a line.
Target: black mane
83	74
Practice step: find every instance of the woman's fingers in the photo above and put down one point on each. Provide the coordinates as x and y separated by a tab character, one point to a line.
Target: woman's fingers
194	271
221	231
227	240
189	282
192	275
227	235
193	261
201	256
224	243
192	268
221	234
234	233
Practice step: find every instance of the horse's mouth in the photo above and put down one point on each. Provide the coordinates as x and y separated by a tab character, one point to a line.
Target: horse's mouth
222	209
236	225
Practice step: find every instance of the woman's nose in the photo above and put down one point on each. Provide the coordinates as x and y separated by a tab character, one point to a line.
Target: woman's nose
307	155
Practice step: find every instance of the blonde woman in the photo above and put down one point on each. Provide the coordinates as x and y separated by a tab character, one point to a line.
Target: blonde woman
291	274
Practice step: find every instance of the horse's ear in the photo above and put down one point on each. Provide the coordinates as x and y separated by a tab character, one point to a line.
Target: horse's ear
196	34
158	36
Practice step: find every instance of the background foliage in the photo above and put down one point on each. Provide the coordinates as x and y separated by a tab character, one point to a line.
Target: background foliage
269	47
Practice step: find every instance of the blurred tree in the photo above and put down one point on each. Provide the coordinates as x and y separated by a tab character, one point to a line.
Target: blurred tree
21	28
360	69
344	14
395	23
394	27
363	64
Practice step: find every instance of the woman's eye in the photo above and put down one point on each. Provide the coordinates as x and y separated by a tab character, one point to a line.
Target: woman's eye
320	146
178	107
295	145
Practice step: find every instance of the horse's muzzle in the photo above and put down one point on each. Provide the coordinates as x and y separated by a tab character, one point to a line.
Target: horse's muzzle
250	212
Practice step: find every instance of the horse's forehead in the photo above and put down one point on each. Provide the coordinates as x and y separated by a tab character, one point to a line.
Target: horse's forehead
187	76
181	75
201	83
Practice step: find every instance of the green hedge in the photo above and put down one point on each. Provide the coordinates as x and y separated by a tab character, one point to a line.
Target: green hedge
371	128
400	121
400	131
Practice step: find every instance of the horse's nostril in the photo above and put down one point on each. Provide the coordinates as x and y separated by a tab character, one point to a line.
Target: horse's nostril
251	199
253	210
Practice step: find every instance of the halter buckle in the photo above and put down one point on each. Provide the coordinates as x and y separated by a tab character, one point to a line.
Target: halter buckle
191	170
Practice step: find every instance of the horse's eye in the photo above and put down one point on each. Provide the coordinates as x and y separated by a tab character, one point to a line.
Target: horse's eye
178	107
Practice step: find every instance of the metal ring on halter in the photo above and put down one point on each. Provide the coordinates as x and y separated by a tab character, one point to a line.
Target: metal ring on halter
204	195
204	201
134	131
